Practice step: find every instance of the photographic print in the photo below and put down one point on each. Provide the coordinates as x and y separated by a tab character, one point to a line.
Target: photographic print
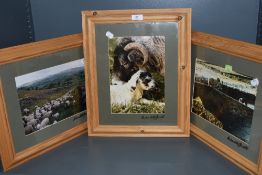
51	95
225	98
137	74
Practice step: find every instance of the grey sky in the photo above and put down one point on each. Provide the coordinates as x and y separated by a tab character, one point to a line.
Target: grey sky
38	75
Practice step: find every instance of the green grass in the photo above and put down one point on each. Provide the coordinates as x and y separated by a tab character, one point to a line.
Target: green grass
154	108
111	47
39	97
32	93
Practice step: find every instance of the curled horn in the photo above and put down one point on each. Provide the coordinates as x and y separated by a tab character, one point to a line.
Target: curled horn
139	47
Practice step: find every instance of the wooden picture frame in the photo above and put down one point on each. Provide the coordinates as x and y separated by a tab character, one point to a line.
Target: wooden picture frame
207	45
136	20
260	161
18	58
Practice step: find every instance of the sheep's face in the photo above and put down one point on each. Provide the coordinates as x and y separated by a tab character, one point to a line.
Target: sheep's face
146	81
129	56
136	57
126	68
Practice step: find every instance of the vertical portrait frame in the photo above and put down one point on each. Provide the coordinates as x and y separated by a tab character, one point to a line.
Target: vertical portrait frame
124	17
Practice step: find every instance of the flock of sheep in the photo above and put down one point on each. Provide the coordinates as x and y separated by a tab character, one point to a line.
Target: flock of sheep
41	117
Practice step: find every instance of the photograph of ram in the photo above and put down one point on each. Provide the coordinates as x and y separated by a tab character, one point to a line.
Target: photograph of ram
51	95
137	74
225	98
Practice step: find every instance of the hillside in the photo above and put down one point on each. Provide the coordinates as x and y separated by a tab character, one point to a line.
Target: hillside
70	77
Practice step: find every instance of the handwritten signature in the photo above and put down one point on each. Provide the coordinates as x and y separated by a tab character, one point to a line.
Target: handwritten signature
154	117
239	144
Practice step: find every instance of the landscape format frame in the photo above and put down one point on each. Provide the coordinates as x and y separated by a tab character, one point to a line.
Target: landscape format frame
219	57
130	115
52	59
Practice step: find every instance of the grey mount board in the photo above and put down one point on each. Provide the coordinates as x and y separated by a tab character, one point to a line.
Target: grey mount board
169	30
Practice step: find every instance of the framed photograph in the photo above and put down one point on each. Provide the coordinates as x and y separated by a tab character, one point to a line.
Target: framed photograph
227	96
42	97
139	69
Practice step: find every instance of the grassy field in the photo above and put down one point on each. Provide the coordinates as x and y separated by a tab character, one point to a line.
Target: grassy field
31	98
154	108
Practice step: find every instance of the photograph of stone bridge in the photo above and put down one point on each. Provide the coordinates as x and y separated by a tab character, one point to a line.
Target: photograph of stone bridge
225	98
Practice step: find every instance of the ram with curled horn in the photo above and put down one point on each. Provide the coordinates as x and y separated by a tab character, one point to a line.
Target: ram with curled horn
138	52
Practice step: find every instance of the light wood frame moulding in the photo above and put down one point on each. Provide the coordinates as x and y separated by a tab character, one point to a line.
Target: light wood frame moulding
244	50
183	17
11	158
